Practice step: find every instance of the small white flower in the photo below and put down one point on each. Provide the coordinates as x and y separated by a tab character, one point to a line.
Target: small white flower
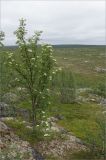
54	60
42	122
10	55
12	60
29	50
53	72
43	112
37	125
48	89
47	125
59	68
49	46
50	78
33	59
16	79
43	97
45	74
45	135
49	102
47	129
10	63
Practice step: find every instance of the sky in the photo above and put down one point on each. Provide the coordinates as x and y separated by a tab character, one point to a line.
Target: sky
62	22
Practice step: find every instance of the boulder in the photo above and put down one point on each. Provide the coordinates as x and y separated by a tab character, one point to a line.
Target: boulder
4	108
10	97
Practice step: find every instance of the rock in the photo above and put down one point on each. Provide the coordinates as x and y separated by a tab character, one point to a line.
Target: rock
4	109
86	61
10	97
14	145
100	70
59	117
93	100
52	119
65	58
79	141
3	127
37	155
55	129
103	102
63	131
59	148
29	127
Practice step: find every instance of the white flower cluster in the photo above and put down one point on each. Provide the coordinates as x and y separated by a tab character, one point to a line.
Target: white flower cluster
10	55
50	78
46	47
30	50
16	79
45	125
59	69
45	74
53	72
33	59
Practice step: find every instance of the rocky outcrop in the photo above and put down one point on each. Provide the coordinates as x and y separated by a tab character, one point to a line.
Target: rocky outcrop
4	109
11	146
60	146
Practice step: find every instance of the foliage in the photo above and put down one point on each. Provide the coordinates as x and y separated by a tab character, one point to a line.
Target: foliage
2	35
32	67
67	87
101	89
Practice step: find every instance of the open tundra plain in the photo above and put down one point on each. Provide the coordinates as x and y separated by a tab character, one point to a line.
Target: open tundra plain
74	122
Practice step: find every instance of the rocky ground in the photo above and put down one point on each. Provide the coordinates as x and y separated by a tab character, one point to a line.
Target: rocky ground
13	148
11	145
60	146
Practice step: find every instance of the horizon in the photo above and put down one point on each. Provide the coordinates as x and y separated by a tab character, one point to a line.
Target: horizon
65	45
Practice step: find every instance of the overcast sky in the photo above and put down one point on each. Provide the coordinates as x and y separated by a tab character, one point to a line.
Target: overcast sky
62	22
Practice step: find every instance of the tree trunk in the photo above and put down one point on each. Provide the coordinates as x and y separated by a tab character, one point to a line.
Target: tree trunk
33	115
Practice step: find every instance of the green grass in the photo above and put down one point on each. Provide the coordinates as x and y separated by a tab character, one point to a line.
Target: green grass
75	60
79	119
24	133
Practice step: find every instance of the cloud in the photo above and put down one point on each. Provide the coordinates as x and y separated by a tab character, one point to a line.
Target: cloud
62	22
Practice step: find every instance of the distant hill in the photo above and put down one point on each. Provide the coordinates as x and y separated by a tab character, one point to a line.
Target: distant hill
76	46
64	46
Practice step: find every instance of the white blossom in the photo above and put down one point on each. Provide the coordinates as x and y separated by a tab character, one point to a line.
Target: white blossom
49	102
45	135
48	89
54	60
29	50
43	112
50	78
45	74
53	72
10	55
10	63
32	59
